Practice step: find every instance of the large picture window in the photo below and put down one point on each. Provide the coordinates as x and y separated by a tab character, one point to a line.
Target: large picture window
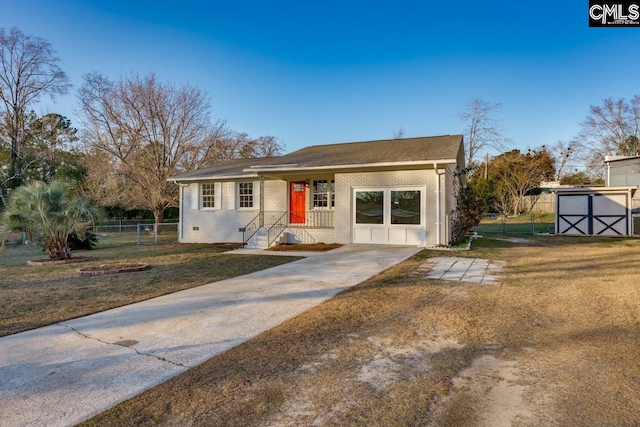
245	195
207	195
405	207
369	207
394	215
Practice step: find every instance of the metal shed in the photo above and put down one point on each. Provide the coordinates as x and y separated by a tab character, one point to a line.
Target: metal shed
594	211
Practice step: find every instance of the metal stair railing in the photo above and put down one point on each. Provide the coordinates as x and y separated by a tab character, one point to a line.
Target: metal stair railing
251	229
282	225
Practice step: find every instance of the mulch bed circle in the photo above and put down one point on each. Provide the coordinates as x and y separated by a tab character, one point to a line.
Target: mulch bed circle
113	269
38	262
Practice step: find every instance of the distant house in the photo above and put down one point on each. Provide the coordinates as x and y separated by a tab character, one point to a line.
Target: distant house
624	171
397	191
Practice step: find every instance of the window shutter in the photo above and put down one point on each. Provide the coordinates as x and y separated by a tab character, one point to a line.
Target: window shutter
256	194
217	195
195	193
231	190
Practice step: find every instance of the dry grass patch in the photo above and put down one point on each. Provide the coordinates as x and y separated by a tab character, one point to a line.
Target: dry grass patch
557	341
34	296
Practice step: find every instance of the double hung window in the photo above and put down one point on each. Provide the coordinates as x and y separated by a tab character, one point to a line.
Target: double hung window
207	195
323	193
245	195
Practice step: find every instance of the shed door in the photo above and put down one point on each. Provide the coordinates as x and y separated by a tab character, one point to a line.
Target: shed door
610	215
573	214
593	214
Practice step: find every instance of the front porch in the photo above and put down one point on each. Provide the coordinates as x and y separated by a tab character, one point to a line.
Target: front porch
270	228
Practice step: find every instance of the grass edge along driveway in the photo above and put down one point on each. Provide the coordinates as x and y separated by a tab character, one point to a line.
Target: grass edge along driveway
35	296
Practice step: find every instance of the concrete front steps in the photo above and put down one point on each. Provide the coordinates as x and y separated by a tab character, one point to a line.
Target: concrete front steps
260	240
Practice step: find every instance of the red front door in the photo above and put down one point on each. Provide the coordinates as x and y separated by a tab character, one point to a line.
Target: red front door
297	202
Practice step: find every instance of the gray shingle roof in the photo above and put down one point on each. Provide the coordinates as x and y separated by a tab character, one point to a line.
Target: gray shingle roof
228	168
383	151
355	153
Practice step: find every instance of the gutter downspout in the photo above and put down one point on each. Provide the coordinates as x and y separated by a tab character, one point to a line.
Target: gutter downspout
438	207
608	174
181	207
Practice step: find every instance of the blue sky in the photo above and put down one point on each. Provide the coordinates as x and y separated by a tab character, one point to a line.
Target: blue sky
326	72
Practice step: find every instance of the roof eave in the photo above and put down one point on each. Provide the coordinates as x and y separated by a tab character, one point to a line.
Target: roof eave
614	159
213	177
628	188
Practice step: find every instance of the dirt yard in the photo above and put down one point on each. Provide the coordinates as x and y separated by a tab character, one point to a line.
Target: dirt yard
555	343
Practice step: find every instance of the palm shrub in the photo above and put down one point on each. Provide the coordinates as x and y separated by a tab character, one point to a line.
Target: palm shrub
51	212
88	242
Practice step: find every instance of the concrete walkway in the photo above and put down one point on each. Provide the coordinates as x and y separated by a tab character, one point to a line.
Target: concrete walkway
467	270
65	373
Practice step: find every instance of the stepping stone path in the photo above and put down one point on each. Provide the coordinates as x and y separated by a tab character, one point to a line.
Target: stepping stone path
467	270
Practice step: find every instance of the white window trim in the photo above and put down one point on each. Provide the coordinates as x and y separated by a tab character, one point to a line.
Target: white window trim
329	194
217	197
386	223
253	195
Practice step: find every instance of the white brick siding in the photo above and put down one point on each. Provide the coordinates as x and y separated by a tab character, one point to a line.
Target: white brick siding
275	196
222	225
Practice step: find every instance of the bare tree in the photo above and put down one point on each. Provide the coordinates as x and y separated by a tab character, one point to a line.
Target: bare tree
268	146
143	131
613	128
483	131
565	152
140	131
29	68
227	145
208	151
398	134
263	146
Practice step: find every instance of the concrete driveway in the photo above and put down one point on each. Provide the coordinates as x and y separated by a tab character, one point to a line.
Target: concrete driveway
65	373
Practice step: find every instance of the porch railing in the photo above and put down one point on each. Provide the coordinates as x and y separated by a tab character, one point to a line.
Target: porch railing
306	219
313	219
277	229
276	222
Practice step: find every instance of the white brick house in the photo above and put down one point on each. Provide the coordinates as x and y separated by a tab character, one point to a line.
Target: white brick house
398	191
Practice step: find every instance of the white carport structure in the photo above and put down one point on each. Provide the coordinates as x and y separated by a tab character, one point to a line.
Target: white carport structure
594	211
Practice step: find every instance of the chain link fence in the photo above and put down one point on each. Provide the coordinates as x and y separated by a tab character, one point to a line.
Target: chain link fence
136	232
528	223
531	223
